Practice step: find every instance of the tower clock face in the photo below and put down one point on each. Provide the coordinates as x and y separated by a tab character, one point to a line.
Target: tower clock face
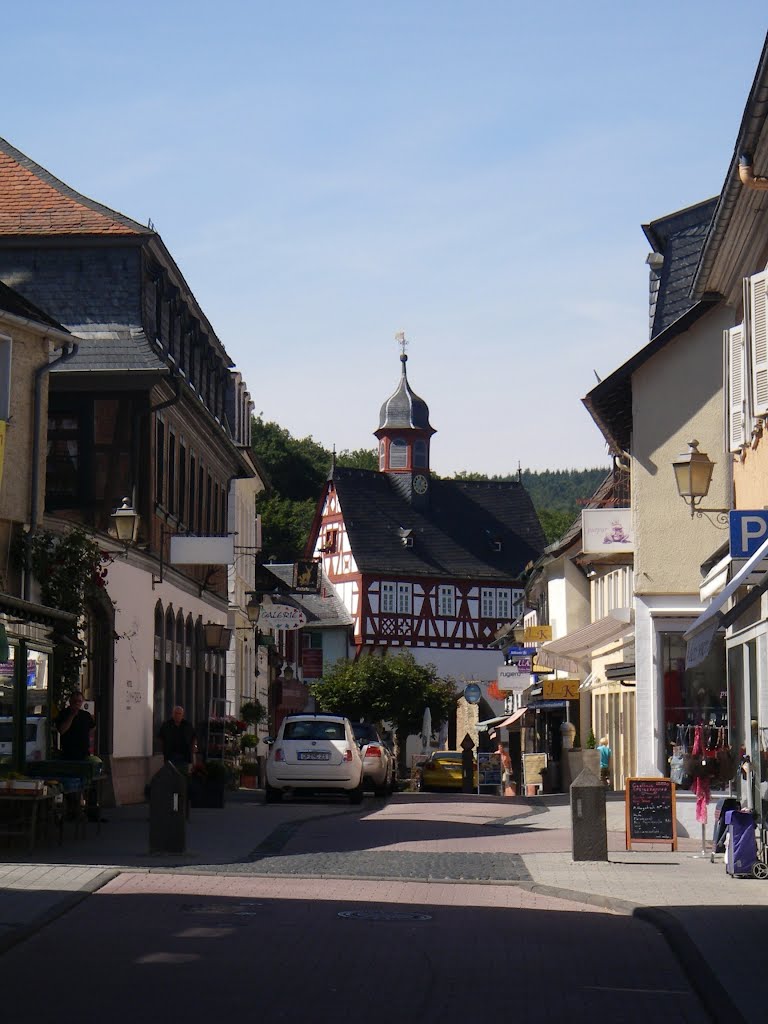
420	484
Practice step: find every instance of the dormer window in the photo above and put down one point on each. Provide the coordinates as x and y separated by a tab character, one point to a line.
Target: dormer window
398	454
406	537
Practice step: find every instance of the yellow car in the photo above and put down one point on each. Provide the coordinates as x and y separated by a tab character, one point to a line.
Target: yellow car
443	770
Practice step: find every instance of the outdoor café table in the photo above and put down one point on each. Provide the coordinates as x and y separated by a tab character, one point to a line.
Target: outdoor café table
22	813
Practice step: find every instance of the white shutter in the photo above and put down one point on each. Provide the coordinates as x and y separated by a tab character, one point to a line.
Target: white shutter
737	420
758	341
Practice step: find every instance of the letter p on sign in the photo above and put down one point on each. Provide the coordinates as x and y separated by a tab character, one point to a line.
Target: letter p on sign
748	530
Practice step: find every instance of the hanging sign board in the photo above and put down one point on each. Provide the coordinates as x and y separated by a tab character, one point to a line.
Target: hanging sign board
560	689
651	814
281	616
510	680
537	634
606	530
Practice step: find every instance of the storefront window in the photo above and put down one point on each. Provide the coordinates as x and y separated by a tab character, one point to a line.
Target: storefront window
6	685
694	696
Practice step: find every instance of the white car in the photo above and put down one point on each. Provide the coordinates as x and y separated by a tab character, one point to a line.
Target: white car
317	753
379	771
35	734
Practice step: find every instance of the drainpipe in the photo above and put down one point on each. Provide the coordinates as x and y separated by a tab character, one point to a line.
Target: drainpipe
748	177
69	353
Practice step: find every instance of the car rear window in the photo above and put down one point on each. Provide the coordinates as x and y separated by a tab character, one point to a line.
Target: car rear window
314	731
447	757
363	731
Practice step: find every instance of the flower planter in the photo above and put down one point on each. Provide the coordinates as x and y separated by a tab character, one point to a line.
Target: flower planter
248	782
205	792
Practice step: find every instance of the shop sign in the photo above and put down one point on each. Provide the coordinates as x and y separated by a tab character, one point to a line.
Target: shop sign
606	530
510	679
537	634
560	689
281	616
748	530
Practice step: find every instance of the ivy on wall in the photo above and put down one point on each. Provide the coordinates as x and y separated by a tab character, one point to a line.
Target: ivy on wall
72	572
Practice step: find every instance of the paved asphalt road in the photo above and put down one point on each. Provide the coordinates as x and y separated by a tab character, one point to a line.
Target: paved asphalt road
300	931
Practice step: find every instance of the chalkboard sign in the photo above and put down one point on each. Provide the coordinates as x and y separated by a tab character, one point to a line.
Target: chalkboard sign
651	812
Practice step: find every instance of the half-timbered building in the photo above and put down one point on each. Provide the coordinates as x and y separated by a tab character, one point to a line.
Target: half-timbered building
423	563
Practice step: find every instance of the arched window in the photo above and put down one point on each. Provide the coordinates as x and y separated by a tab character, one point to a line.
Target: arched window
398	454
420	454
178	660
382	455
189	689
170	636
158	697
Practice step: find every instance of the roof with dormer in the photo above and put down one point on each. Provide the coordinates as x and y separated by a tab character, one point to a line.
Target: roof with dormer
470	529
404	410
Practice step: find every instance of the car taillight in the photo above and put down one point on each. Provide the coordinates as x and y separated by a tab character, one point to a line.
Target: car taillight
279	754
347	754
372	751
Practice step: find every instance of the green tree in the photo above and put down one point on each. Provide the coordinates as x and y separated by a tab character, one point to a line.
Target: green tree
358	458
555	523
389	689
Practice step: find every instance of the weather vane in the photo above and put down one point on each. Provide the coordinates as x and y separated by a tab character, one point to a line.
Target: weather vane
401	340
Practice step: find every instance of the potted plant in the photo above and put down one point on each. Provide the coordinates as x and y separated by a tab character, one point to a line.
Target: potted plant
249	774
248	741
253	712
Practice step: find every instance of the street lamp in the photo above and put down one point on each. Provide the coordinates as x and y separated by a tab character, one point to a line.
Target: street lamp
253	608
693	475
126	522
217	636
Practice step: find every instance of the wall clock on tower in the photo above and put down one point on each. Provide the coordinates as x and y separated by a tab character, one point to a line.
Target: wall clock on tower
420	484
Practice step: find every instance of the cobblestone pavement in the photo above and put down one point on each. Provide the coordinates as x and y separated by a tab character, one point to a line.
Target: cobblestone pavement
514	850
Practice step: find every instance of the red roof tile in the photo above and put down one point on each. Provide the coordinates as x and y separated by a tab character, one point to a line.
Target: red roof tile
33	202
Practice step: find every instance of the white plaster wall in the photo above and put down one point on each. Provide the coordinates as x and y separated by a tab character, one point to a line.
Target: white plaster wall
677	396
335	646
130	588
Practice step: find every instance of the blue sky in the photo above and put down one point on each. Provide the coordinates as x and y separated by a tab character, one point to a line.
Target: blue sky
473	172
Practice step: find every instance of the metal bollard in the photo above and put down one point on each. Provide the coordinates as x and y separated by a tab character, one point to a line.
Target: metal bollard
588	823
167	811
467	765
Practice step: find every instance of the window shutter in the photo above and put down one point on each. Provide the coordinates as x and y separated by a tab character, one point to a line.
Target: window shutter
758	329
737	424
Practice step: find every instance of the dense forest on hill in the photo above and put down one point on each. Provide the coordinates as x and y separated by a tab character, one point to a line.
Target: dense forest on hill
297	468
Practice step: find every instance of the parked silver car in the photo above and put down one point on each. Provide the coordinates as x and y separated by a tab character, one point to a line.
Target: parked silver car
379	767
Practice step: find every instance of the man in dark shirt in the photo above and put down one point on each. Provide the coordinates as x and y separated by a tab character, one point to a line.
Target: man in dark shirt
75	726
178	739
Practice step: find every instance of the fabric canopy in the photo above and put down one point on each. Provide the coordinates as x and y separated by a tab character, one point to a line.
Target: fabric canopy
512	718
567	652
699	637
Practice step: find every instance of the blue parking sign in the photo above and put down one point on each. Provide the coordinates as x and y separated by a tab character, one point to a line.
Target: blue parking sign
748	530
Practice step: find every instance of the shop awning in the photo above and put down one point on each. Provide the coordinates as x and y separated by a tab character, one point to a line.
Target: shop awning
699	637
28	611
512	719
567	652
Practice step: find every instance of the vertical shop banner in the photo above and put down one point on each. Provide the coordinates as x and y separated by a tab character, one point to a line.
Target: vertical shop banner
3	426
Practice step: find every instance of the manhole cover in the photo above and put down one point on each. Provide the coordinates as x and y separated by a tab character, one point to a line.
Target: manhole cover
238	909
382	915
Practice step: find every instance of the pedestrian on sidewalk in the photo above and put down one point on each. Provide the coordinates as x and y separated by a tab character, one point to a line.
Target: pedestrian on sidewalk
74	726
605	760
178	740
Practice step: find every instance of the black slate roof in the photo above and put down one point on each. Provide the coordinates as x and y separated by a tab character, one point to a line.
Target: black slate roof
323	612
679	238
13	302
453	538
404	409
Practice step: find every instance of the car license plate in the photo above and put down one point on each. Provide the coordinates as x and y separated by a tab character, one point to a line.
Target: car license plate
314	755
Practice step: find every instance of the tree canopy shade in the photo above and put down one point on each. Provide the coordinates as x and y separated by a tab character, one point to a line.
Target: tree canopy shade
392	689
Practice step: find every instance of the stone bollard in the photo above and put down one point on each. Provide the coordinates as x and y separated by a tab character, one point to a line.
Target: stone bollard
167	811
588	825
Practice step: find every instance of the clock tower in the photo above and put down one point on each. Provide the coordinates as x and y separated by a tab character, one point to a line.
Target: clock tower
404	436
